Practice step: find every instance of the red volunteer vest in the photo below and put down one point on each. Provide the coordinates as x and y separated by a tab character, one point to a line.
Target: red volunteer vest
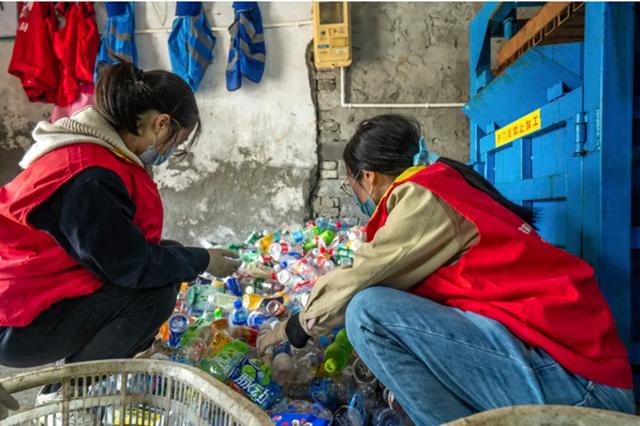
545	296
35	272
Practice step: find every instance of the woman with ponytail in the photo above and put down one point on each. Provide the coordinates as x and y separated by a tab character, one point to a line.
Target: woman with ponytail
454	302
84	274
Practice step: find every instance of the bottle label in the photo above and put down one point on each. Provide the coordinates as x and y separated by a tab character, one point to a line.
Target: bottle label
249	379
284	347
301	419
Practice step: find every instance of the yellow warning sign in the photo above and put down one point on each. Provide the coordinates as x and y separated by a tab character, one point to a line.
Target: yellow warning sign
519	128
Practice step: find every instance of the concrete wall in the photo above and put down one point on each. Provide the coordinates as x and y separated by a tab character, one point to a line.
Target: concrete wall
402	53
252	165
267	156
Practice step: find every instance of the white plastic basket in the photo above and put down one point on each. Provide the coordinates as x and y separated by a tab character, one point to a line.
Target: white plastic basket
132	392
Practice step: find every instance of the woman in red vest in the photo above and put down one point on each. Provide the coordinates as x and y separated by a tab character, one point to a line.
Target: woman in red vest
84	274
455	302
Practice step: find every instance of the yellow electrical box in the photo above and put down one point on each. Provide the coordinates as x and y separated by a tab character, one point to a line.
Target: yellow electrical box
331	34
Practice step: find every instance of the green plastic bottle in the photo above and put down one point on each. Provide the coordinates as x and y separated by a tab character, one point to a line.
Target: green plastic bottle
337	354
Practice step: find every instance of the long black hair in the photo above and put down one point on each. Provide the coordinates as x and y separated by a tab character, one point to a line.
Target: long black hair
387	144
124	92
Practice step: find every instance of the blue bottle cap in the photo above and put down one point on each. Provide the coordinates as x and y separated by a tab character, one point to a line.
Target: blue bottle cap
237	304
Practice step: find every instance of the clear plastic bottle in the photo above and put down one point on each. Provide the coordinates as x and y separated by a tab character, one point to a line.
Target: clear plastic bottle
385	416
353	414
282	367
307	361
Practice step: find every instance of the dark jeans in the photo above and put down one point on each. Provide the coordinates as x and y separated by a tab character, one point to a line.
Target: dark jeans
113	322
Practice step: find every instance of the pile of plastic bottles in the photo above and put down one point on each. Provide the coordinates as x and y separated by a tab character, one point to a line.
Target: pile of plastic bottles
218	319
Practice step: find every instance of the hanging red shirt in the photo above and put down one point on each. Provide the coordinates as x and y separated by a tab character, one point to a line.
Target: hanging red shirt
33	60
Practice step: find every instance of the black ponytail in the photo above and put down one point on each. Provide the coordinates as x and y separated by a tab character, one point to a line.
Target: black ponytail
387	144
123	92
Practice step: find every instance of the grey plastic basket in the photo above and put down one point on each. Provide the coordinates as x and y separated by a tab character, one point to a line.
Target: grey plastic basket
132	392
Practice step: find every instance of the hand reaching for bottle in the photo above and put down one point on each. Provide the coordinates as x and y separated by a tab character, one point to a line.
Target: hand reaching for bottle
222	263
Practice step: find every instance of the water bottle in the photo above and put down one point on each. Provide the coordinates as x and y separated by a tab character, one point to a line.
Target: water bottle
337	354
239	315
282	368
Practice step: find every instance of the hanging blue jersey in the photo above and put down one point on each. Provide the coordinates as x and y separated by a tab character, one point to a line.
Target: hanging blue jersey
118	37
247	52
191	43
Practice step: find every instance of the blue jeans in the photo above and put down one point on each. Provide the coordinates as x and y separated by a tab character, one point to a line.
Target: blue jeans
443	363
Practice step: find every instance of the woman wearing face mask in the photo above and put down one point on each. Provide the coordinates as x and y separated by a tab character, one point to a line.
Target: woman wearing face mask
84	274
455	303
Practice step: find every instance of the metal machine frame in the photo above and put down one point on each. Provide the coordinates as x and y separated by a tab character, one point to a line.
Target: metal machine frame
580	166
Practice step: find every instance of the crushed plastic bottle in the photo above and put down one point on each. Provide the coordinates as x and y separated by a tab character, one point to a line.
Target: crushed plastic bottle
217	320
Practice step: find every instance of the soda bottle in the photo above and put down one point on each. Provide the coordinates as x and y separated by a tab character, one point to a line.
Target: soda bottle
337	354
239	314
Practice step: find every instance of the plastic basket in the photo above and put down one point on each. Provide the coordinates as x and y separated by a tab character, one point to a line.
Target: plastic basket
131	392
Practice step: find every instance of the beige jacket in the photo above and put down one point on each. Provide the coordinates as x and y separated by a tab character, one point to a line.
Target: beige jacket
421	234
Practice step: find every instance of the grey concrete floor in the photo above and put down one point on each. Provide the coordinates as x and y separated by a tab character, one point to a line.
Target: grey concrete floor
26	399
